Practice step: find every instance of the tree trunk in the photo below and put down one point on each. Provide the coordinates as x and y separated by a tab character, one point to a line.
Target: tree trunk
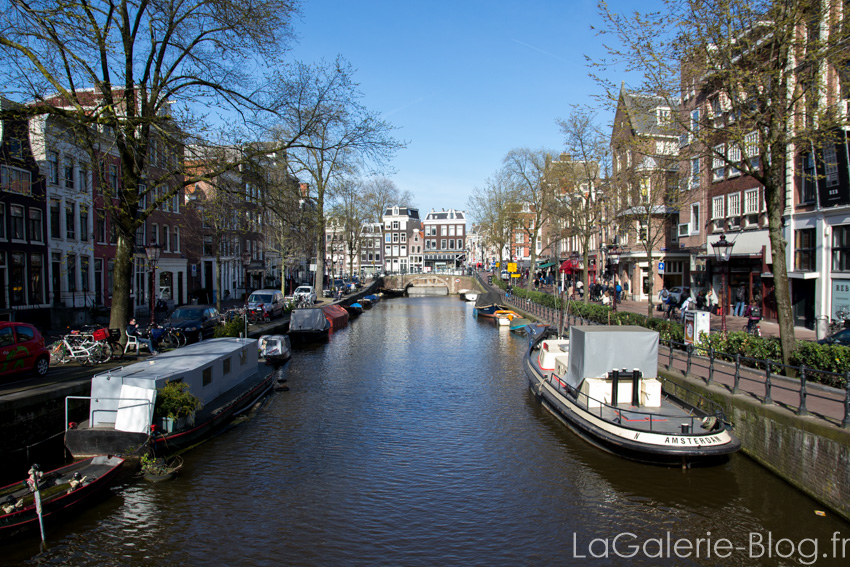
787	340
217	282
122	309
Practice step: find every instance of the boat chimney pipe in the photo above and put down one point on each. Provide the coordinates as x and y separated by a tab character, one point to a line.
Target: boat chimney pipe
636	387
615	385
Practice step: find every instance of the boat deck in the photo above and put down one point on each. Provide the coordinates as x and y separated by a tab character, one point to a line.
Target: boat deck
670	418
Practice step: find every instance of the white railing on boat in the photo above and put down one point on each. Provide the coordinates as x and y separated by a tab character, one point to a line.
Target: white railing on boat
144	402
691	421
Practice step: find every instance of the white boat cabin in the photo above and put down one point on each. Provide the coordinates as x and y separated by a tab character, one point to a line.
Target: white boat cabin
550	350
123	398
599	350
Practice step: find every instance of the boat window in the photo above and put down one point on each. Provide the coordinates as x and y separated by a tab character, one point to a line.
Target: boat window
243	357
207	376
227	366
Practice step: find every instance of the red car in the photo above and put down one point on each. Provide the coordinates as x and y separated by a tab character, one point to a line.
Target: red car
22	349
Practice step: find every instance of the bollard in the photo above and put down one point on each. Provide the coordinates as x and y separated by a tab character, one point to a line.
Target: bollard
710	366
802	409
768	400
846	421
735	387
670	362
690	349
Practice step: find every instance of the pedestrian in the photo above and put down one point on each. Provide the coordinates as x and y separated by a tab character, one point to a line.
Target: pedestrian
662	297
686	305
671	305
753	315
619	289
740	300
133	331
709	301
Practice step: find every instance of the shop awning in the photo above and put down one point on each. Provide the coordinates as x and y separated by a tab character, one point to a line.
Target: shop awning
546	265
569	266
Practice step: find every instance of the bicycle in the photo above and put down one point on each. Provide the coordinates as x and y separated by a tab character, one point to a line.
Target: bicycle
79	348
171	338
841	321
755	330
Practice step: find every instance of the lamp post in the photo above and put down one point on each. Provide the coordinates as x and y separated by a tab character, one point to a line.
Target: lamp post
246	261
152	252
722	253
614	252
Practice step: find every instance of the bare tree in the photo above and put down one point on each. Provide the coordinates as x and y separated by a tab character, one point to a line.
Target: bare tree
525	169
116	68
578	203
494	208
769	65
340	134
378	193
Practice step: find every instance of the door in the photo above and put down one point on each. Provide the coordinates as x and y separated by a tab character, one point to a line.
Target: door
803	303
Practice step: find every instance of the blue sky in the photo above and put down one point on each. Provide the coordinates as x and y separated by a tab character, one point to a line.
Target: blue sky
464	81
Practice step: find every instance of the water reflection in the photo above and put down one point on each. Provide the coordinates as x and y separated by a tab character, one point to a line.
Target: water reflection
411	438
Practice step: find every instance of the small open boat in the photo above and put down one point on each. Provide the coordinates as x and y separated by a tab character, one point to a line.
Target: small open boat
275	349
310	324
603	383
63	490
505	316
372	299
471	296
518	324
486	305
354	309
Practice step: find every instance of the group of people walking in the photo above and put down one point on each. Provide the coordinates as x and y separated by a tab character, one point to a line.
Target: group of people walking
708	302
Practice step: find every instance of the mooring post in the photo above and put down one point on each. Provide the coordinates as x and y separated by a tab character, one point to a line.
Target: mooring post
736	386
846	421
802	409
710	365
768	400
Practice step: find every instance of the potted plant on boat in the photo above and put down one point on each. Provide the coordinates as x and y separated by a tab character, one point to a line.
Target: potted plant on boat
175	406
159	469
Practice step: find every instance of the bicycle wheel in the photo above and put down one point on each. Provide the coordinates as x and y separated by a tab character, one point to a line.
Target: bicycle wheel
99	353
168	341
85	360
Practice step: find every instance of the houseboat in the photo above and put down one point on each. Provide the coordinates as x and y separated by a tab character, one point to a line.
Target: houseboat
603	383
224	375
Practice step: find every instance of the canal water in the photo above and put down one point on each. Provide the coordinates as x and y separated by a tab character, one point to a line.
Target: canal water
411	438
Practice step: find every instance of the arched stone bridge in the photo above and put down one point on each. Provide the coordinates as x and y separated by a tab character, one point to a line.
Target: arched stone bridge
427	284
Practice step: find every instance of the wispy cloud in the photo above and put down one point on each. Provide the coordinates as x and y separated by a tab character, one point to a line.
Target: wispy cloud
404	106
539	50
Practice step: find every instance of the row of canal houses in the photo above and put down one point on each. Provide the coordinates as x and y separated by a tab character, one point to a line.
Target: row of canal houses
58	244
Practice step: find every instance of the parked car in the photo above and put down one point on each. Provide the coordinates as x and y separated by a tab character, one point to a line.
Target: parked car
269	301
198	322
22	349
679	294
305	291
841	338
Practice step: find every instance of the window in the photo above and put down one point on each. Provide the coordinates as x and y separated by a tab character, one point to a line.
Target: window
17	226
71	267
403	237
751	201
695	222
53	167
55	231
36	275
809	180
443	244
155	233
734	156
395	225
36	225
83	176
2	221
388	238
452	230
695	173
460	230
84	223
226	366
751	142
16	148
206	376
460	244
69	221
113	180
695	121
718	164
166	238
804	250
176	241
443	230
395	237
68	172
841	248
717	212
100	229
733	201
15	180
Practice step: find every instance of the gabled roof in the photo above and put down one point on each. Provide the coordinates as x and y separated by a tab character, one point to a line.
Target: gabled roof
642	111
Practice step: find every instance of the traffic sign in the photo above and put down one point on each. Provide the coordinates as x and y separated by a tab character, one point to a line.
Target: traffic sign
660	267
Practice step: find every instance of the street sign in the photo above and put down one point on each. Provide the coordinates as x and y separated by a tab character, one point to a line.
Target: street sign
512	267
660	267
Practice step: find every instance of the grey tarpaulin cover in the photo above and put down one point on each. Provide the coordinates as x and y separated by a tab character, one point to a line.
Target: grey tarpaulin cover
307	320
594	351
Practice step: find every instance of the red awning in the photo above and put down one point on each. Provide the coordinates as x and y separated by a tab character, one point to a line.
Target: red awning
569	266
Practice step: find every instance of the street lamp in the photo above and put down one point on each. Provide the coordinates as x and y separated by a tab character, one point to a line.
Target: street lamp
614	252
722	253
152	251
246	261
